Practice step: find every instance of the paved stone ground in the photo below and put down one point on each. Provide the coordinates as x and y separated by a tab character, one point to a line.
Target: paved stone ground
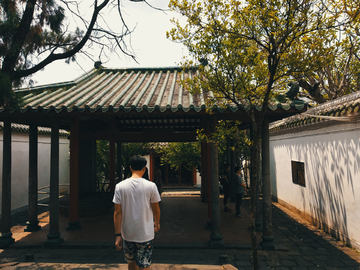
299	246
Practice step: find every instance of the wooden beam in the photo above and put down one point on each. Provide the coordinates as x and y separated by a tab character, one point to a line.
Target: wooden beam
139	137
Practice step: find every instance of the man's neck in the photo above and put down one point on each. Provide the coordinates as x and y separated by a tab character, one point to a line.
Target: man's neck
136	174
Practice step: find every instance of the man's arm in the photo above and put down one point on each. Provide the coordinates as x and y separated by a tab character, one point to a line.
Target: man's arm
117	225
156	212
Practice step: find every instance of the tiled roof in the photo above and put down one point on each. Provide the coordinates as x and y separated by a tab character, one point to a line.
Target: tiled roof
18	128
342	109
115	90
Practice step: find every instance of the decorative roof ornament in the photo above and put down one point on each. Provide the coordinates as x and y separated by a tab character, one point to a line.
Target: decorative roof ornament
97	64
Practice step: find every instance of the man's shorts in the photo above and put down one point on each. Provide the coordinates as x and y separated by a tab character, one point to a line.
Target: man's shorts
140	253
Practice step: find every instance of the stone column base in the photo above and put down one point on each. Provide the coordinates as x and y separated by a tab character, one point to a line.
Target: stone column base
6	240
258	226
32	226
73	226
267	242
54	240
216	241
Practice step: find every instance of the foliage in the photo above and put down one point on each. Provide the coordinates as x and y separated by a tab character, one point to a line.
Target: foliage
127	151
338	74
177	154
249	44
131	149
102	162
248	48
224	131
35	33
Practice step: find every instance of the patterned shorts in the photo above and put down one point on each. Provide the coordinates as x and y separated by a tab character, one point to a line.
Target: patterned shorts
140	253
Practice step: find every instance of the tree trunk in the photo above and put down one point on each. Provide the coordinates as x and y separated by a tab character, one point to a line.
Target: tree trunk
254	187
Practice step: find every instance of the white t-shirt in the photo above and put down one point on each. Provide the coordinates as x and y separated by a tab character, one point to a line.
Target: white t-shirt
135	196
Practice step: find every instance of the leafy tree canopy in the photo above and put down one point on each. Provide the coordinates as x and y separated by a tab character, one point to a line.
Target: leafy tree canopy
35	33
251	47
177	154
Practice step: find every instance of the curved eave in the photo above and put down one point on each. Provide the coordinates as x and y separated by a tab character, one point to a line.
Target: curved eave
344	109
118	91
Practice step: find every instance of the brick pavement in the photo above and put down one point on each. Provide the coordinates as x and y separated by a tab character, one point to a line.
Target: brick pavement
299	246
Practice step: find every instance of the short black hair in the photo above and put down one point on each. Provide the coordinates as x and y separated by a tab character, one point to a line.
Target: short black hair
137	163
236	168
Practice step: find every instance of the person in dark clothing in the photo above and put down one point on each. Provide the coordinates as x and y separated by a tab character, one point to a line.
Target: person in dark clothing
146	174
226	187
239	189
157	179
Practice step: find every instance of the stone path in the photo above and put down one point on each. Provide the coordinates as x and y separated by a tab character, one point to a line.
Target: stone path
299	246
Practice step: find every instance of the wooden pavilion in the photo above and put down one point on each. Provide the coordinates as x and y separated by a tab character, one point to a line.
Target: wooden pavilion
118	105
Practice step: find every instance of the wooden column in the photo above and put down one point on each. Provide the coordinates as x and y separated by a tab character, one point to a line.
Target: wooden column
54	238
194	176
6	235
33	224
267	237
74	177
112	165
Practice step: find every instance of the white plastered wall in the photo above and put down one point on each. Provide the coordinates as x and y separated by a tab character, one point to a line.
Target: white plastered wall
331	156
20	167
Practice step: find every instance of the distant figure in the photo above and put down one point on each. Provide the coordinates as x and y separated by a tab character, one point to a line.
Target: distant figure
226	186
146	174
157	180
239	188
136	216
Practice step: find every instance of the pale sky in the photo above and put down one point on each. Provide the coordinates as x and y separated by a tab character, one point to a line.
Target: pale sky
149	44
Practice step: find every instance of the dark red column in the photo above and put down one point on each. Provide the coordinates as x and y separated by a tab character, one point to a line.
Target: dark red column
74	177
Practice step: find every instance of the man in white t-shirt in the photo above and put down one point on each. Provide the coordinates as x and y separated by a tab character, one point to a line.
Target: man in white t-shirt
136	216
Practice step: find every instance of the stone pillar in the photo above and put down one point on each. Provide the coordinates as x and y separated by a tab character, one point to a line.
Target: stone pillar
6	235
267	237
33	224
54	238
216	239
74	177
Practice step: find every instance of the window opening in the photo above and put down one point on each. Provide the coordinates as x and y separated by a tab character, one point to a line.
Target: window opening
298	173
